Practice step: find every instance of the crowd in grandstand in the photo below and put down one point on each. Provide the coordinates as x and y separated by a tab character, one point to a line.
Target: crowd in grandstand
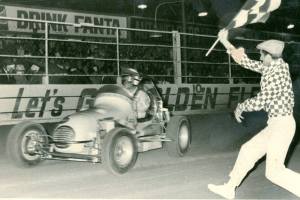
74	62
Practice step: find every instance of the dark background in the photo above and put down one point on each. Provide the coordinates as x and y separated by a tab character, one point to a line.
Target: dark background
220	12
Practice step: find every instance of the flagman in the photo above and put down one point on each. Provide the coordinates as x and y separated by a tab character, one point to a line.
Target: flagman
277	99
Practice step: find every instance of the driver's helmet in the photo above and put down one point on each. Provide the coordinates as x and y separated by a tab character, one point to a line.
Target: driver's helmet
130	75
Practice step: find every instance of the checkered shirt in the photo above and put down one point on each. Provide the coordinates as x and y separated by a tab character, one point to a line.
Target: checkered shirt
276	96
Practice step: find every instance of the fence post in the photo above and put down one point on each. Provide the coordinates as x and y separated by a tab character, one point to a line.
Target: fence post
46	54
118	52
177	57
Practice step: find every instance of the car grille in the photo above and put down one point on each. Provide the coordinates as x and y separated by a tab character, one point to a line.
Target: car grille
63	135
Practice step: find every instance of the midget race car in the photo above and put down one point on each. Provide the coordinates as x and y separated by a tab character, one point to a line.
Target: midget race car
108	133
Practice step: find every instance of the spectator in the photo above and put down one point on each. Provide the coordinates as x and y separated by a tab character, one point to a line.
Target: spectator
56	73
57	53
40	49
37	75
1	46
20	51
7	69
10	47
19	76
80	76
94	78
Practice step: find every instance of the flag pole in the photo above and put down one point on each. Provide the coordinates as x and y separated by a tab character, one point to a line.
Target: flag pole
212	47
229	25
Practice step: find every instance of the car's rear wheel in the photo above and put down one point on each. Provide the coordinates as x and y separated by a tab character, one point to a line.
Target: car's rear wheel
119	151
25	143
179	131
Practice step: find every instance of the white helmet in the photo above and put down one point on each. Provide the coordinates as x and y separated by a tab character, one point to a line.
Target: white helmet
130	75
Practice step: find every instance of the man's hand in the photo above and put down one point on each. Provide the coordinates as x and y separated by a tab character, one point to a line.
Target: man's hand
238	114
223	37
237	54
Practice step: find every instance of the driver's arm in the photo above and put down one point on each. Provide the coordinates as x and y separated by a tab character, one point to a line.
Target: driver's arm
143	103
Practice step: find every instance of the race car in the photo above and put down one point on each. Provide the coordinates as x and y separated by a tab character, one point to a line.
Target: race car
108	133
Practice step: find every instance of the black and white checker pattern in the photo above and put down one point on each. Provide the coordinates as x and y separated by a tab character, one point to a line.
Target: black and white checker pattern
276	95
254	11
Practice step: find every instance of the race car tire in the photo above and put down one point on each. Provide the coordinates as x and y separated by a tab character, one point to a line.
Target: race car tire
119	151
179	131
25	142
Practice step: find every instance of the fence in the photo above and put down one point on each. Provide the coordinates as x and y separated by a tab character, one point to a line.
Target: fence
48	52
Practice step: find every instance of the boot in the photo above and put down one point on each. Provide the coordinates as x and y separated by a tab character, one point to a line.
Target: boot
225	190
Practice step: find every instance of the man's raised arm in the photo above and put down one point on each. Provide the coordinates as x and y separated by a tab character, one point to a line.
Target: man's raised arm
238	54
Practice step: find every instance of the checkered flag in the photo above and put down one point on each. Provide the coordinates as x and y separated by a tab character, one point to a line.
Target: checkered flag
254	11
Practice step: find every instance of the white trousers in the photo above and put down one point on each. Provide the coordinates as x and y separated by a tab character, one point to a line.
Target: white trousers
273	141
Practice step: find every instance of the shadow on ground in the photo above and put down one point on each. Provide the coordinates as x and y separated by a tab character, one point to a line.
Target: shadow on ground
222	132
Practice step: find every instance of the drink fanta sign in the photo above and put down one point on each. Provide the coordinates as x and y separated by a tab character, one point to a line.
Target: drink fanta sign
63	17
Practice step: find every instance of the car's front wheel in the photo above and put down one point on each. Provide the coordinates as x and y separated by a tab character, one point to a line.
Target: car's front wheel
119	151
179	131
25	144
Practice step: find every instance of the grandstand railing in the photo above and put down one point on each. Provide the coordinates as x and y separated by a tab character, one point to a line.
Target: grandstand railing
61	58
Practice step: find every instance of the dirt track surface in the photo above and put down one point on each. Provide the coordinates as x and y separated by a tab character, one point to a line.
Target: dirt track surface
155	175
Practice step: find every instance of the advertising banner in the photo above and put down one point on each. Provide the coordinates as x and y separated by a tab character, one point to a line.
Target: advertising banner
63	17
53	102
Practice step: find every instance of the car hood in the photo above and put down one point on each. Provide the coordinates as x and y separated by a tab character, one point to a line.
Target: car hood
101	113
88	119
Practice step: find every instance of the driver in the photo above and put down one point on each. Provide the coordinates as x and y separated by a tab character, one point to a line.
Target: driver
130	80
